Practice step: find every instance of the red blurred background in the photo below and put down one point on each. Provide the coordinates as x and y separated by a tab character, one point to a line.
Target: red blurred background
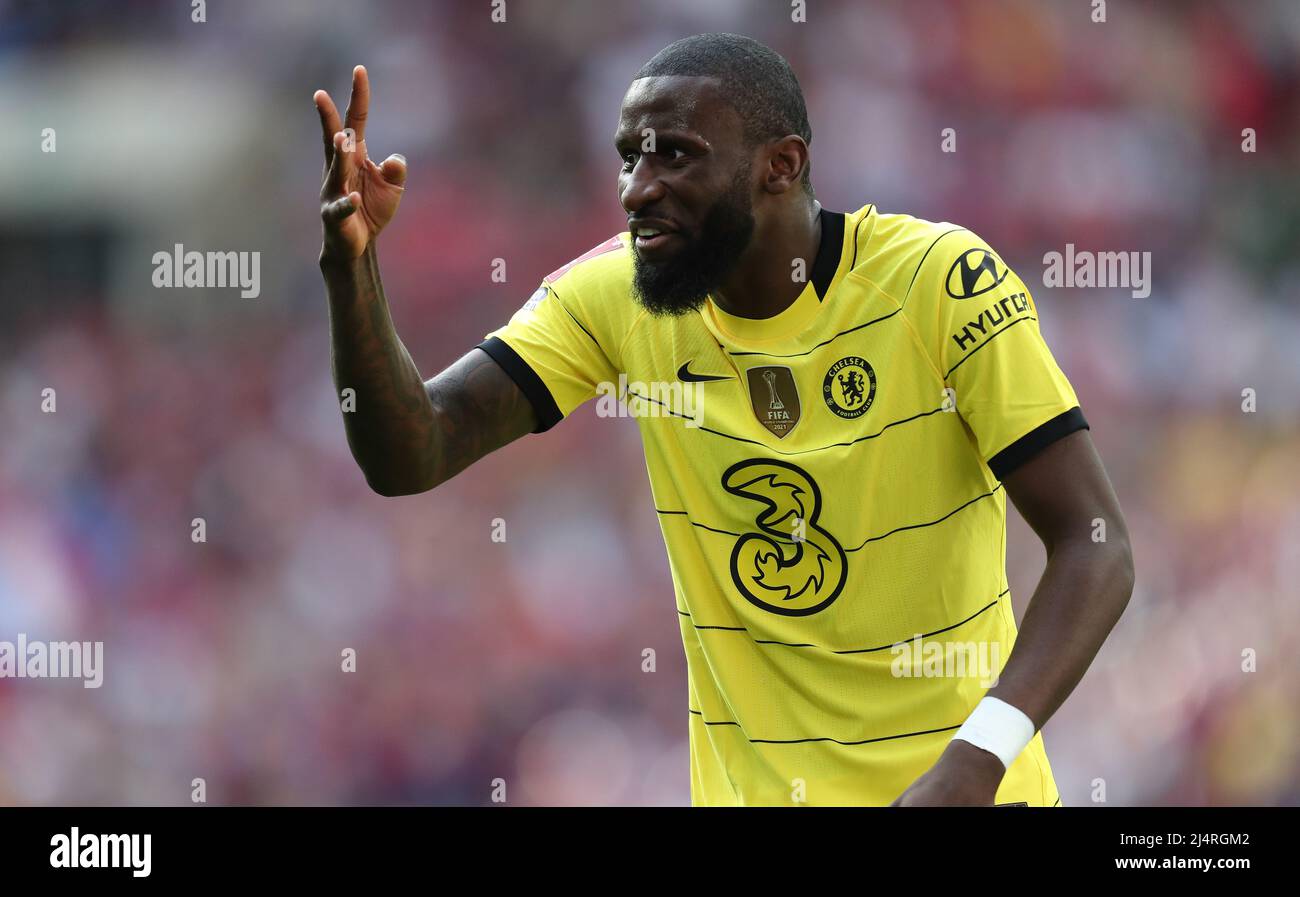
522	660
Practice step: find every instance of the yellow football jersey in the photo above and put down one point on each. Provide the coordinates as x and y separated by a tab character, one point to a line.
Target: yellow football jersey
827	483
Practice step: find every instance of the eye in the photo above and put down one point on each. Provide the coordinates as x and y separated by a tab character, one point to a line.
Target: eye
629	159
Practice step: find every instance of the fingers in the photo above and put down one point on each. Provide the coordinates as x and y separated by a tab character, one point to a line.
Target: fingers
393	170
334	174
336	210
343	166
359	103
329	121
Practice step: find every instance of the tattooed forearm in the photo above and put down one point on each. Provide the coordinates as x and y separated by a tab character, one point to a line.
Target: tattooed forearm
408	436
480	410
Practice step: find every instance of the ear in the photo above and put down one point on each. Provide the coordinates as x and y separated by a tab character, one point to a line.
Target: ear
786	159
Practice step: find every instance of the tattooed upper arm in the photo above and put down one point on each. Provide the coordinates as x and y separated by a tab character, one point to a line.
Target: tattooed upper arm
478	409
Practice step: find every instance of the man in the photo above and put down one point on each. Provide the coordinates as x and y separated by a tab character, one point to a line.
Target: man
834	409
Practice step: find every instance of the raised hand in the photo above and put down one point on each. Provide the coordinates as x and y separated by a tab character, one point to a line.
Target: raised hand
358	198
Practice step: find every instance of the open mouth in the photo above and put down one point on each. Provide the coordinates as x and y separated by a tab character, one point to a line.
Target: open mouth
652	235
651	242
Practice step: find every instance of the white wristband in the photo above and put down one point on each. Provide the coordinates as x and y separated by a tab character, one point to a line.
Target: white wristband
998	728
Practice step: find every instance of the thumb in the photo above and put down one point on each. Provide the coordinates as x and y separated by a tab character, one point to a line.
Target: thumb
393	170
335	211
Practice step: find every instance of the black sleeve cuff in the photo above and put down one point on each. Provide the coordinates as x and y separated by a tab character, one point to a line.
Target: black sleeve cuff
548	413
1037	439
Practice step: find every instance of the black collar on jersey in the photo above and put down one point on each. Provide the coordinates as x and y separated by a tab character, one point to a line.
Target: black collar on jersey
828	253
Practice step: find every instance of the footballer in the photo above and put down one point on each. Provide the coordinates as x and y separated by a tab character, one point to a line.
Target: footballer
871	389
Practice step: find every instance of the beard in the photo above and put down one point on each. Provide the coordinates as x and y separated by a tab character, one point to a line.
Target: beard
680	284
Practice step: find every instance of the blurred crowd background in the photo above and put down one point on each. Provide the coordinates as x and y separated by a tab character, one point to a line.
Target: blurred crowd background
522	660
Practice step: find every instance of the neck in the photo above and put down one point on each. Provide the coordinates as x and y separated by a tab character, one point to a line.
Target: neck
763	283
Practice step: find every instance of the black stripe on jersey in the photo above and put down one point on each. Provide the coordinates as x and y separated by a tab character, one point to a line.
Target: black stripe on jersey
711	722
777	451
874	538
722	532
930	523
804	740
823	342
575	317
1037	439
924	635
854	262
829	250
987	341
533	387
923	257
865	542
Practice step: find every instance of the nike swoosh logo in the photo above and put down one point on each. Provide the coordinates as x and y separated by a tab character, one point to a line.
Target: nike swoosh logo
684	374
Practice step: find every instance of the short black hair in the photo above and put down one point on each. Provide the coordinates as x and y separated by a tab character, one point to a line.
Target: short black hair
756	81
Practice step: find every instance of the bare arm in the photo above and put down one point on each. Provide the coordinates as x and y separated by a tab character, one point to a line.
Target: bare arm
406	435
1086	584
1083	590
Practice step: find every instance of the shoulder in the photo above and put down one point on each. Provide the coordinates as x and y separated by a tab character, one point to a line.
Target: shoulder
603	269
591	294
916	260
596	288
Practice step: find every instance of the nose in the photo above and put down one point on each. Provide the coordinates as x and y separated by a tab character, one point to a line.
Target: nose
639	187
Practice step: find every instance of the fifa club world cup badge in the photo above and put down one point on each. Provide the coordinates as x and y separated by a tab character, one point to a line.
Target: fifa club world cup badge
849	387
775	398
